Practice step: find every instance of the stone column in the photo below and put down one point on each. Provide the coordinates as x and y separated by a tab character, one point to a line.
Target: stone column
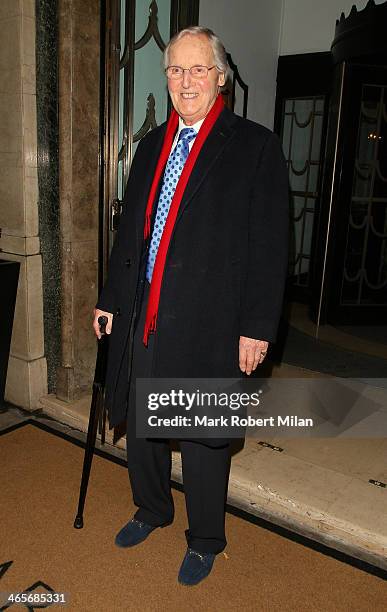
19	235
79	51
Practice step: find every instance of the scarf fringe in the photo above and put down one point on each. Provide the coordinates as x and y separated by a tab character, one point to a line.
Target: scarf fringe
149	329
147	226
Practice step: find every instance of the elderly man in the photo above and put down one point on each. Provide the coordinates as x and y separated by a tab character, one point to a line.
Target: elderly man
195	282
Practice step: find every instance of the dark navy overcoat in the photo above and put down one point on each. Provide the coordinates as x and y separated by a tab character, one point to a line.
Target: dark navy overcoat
226	265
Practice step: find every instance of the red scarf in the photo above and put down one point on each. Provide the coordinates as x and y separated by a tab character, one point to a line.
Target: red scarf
158	270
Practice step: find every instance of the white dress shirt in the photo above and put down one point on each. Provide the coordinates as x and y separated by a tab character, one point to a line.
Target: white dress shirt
196	126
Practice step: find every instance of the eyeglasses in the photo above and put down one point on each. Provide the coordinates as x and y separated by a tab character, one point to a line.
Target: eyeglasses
196	72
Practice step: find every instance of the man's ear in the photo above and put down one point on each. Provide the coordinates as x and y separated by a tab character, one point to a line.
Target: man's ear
221	79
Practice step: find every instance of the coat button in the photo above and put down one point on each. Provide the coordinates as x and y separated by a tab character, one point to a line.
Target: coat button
118	312
128	262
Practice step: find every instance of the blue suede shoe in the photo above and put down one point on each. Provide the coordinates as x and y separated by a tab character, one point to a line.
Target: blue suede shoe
195	567
133	533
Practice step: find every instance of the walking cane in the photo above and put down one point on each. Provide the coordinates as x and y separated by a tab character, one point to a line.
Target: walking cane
97	418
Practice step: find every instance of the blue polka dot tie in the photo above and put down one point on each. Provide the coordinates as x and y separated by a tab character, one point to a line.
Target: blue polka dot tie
173	170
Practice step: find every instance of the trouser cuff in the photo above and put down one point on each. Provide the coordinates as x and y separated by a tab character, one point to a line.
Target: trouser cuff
205	545
151	519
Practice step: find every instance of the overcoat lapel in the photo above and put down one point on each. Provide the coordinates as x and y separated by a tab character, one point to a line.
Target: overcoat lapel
217	139
213	147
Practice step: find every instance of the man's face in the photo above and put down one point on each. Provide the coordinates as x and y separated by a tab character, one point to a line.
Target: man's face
193	98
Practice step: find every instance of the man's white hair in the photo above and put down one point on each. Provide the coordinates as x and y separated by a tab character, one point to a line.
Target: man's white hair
217	46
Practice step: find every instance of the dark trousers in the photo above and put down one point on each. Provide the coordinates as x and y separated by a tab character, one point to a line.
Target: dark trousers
205	469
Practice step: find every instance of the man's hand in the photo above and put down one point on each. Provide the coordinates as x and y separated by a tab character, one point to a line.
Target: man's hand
251	353
102	313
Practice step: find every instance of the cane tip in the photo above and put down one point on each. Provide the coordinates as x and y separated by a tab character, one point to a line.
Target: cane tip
78	523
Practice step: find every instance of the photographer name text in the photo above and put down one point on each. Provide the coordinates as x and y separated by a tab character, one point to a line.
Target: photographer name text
233	420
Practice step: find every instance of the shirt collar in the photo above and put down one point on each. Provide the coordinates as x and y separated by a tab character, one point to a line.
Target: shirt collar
196	126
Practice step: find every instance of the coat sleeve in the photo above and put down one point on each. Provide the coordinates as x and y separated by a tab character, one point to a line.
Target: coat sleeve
107	300
267	245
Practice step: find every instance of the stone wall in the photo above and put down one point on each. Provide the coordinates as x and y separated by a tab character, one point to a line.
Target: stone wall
79	53
19	240
48	178
49	192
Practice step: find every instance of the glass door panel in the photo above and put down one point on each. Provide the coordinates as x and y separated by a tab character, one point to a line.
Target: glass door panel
302	131
356	284
364	278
